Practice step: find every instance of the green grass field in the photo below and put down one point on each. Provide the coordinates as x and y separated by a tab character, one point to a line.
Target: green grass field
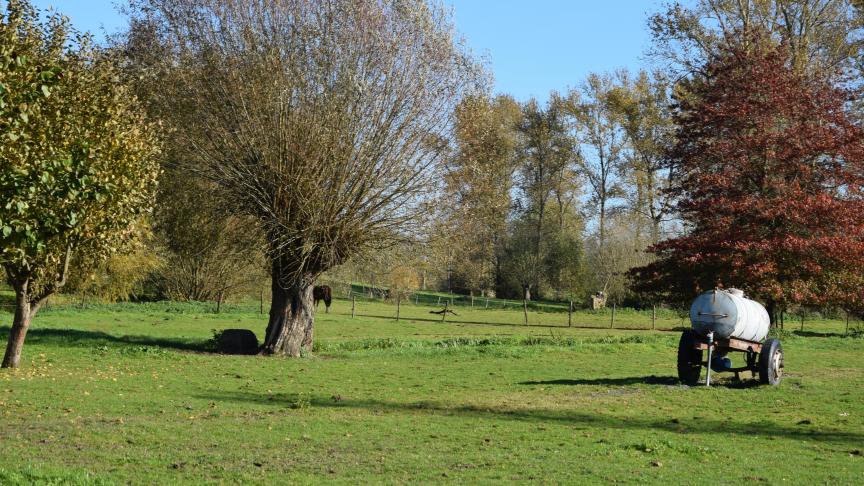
128	394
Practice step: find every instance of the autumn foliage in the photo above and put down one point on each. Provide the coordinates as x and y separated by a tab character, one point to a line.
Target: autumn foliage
770	186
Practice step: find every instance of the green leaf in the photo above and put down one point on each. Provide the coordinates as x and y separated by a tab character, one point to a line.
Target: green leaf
46	90
24	116
7	230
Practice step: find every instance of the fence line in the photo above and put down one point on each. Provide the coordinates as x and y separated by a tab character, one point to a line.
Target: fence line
645	319
545	315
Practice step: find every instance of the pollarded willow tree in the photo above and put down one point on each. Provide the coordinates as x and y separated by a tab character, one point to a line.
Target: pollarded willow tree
322	119
77	160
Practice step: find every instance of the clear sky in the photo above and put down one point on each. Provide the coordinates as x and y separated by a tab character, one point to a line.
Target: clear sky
533	46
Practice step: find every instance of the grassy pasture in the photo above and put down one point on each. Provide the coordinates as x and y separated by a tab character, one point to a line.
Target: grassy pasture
127	394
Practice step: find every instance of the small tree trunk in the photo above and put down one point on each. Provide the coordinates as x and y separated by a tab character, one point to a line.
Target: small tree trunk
289	331
20	325
771	307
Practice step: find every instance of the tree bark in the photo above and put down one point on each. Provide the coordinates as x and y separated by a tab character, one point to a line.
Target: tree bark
20	325
289	330
771	307
26	306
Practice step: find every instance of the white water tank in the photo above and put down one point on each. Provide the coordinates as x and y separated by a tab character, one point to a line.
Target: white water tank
729	314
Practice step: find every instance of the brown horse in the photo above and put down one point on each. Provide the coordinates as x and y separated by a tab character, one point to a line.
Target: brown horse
322	292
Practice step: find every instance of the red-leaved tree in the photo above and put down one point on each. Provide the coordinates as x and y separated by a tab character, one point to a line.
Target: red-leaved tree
770	186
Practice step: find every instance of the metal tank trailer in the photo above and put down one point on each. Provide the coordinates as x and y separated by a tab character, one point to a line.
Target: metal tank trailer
724	321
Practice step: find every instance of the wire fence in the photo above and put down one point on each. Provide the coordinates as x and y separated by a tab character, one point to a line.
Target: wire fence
359	301
501	312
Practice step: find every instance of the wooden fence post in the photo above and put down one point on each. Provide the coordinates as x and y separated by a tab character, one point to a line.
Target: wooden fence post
353	305
472	301
653	317
570	314
525	310
416	299
261	304
847	322
444	314
487	303
398	305
612	321
802	321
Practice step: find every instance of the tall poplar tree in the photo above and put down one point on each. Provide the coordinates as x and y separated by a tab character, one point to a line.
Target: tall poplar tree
546	155
478	185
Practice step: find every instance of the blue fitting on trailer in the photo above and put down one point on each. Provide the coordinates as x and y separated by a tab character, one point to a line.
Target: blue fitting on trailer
721	363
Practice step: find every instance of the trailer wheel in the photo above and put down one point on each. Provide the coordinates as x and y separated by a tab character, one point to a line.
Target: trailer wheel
771	362
689	359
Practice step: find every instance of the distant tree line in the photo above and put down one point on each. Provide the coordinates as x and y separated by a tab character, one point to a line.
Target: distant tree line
549	200
579	192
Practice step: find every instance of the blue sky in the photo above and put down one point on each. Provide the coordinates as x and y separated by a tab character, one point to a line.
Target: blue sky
533	46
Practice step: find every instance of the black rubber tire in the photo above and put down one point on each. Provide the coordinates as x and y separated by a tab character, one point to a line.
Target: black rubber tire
771	362
689	359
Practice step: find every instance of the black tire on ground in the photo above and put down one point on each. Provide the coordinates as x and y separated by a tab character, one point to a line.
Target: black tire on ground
238	341
689	359
771	362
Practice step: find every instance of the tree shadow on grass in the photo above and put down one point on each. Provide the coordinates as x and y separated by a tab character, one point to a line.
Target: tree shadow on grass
644	380
630	380
694	425
853	333
81	338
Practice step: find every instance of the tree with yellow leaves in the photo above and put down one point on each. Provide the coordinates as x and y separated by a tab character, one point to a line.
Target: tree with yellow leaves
77	165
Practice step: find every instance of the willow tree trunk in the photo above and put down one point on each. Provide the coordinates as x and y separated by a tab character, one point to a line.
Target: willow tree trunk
289	330
20	325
